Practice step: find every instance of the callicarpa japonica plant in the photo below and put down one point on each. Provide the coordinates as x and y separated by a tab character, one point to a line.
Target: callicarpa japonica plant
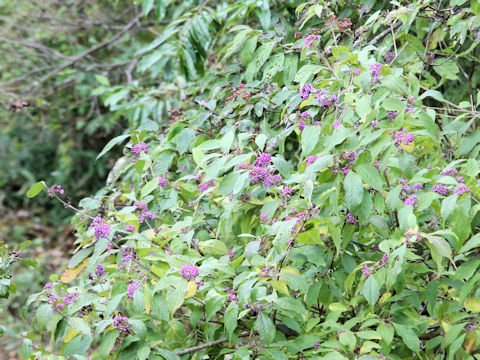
310	190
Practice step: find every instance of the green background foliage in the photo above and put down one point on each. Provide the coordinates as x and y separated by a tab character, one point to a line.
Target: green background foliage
355	237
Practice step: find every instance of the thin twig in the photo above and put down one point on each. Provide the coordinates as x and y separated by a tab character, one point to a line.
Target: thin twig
207	345
91	50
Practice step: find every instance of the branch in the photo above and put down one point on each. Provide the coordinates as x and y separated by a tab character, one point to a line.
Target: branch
40	47
207	345
91	50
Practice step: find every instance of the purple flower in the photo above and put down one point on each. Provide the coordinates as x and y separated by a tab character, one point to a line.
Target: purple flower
305	91
258	173
143	213
310	160
460	179
202	187
470	328
121	323
403	138
272	180
263	217
324	99
70	298
450	172
417	187
441	189
131	290
384	260
374	123
392	115
351	219
48	286
102	230
232	294
366	271
412	200
189	272
130	228
310	39
375	68
263	160
356	71
336	124
462	189
99	270
137	150
410	110
55	189
128	254
162	182
302	124
305	115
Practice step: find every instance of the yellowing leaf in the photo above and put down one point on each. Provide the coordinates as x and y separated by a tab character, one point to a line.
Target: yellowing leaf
280	286
410	147
385	297
71	333
290	270
472	304
470	342
71	274
336	306
191	289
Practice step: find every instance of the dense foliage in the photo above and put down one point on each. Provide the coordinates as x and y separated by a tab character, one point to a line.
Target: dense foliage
313	195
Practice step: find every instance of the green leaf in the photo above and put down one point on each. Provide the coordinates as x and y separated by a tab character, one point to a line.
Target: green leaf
248	50
230	318
305	72
102	80
148	188
213	247
147	6
30	262
111	144
363	107
35	189
468	143
261	55
89	203
265	327
408	336
310	138
273	66
260	141
81	325
448	205
371	290
353	190
440	244
393	104
452	334
370	176
26	349
290	69
212	306
108	342
175	297
184	140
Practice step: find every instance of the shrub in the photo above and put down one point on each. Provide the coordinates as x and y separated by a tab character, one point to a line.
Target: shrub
315	199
